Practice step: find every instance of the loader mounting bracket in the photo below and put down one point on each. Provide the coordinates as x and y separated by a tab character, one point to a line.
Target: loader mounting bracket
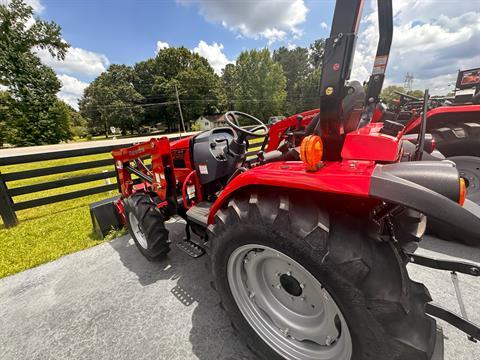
472	330
460	322
457	266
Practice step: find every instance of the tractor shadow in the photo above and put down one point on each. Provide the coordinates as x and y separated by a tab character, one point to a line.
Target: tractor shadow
211	335
464	252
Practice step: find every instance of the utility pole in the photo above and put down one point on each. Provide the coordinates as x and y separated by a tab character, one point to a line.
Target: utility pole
180	110
408	82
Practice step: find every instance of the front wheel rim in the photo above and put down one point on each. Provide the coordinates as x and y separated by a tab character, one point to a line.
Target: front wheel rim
287	306
137	231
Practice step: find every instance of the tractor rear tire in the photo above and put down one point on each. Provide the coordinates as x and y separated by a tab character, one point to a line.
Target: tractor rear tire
146	225
378	307
458	139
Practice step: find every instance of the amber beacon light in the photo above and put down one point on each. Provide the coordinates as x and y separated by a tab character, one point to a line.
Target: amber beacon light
463	191
311	151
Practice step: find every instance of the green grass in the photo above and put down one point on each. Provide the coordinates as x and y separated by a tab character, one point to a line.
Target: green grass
48	232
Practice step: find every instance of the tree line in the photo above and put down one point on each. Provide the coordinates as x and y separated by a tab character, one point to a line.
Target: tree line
259	82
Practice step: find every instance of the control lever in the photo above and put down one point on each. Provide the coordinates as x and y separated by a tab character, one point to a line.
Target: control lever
218	141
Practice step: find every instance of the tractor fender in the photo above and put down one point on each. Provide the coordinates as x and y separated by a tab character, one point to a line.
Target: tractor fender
443	113
347	177
432	188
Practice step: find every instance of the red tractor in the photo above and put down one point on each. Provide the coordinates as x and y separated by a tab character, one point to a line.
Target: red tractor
309	241
452	122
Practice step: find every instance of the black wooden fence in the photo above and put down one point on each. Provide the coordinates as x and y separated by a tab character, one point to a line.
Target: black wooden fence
8	206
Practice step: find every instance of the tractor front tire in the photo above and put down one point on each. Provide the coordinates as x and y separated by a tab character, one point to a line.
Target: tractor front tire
299	282
146	225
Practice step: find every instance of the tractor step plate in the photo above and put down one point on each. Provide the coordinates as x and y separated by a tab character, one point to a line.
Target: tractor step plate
190	248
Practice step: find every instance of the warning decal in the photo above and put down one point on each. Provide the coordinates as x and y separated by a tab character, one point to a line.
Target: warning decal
380	65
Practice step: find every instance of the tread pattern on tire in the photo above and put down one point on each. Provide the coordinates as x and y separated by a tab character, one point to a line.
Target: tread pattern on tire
395	305
153	225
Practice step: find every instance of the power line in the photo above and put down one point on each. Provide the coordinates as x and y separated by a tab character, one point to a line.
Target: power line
194	101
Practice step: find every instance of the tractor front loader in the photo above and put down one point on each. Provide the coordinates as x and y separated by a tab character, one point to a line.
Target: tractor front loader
309	241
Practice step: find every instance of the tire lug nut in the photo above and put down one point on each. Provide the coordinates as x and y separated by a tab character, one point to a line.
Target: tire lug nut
302	298
245	261
279	286
252	294
286	332
277	274
302	285
289	273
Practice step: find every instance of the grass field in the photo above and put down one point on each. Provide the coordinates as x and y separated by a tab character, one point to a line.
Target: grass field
47	232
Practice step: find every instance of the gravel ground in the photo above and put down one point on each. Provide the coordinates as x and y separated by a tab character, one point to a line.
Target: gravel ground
107	302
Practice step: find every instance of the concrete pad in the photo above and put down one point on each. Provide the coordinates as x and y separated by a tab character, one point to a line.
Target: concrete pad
108	302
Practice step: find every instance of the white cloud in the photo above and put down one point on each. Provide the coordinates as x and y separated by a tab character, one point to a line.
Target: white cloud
161	45
37	5
324	25
72	90
432	39
268	19
214	54
77	61
291	46
273	35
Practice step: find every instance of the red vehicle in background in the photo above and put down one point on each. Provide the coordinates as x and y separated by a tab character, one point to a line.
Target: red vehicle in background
452	122
309	241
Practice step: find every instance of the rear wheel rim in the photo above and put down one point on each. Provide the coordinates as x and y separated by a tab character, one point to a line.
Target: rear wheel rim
287	306
137	231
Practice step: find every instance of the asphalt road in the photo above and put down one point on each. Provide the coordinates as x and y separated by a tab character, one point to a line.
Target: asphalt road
108	302
7	152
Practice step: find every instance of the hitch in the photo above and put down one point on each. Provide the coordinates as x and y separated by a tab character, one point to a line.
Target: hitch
460	322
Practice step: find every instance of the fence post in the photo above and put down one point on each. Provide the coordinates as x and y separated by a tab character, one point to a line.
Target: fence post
6	206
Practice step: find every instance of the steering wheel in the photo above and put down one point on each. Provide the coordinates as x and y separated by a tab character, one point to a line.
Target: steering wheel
229	115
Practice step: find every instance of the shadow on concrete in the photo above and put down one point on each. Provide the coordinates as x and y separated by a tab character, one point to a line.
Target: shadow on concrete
211	335
451	248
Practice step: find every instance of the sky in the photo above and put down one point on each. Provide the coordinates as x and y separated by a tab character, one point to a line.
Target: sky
433	39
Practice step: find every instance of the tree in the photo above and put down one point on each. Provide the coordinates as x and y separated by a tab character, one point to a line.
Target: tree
112	100
295	65
388	94
33	86
260	84
309	91
229	85
7	116
417	93
78	124
179	69
316	53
